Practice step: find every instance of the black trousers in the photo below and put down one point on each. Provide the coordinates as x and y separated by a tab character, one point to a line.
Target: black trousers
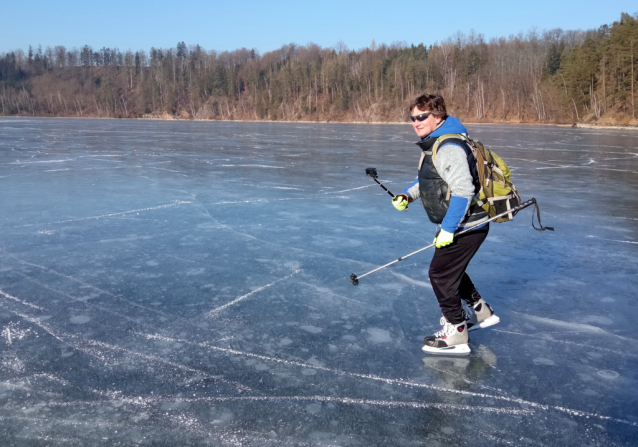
447	273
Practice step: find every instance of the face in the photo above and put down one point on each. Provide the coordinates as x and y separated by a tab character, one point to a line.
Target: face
427	126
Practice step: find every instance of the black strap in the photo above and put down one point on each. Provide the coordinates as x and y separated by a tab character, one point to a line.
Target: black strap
538	216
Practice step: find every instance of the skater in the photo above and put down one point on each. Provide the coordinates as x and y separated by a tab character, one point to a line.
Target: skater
447	184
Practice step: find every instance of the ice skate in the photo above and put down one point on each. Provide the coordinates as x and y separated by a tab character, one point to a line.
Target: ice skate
452	339
479	315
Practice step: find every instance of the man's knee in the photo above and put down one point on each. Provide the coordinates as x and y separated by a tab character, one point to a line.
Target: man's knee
437	273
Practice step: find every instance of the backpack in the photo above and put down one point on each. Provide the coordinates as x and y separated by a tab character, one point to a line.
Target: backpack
497	193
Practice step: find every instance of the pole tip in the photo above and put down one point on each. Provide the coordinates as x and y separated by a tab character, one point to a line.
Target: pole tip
354	280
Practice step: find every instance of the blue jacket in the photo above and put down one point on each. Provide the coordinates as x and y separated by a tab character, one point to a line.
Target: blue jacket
451	125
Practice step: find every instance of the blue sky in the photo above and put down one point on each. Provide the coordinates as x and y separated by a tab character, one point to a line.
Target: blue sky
266	25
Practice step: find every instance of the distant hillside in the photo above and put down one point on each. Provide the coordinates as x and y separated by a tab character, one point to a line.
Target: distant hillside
551	77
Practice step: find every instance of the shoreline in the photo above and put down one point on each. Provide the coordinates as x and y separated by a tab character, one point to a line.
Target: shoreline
575	125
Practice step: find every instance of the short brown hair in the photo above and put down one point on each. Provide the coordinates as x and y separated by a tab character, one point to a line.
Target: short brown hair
431	103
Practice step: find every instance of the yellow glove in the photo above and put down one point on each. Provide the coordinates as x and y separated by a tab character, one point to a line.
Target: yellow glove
400	202
443	238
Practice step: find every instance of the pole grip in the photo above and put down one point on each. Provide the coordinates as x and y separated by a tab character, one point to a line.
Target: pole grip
522	205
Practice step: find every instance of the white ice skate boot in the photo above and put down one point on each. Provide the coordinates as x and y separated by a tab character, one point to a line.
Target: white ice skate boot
452	339
479	315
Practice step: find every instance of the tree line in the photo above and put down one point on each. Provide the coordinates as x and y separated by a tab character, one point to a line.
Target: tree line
551	76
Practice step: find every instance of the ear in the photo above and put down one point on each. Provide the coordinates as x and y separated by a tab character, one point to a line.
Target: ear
438	119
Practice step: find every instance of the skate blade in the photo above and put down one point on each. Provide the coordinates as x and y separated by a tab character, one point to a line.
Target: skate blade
491	321
450	350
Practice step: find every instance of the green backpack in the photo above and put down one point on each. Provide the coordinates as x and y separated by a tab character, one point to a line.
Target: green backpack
497	194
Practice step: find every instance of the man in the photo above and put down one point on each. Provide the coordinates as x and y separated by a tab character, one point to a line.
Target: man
447	184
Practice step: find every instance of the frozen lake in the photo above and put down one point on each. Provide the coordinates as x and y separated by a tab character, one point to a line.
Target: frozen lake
176	283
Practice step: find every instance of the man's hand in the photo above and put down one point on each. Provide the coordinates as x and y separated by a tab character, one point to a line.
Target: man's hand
400	202
443	238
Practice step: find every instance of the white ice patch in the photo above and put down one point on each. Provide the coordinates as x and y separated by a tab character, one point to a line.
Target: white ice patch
80	319
13	332
313	361
544	361
311	329
585	377
378	335
596	319
87	297
607	374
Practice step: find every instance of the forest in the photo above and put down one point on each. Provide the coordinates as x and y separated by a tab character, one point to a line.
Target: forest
551	76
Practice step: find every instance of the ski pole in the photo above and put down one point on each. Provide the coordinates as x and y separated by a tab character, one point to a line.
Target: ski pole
372	172
354	279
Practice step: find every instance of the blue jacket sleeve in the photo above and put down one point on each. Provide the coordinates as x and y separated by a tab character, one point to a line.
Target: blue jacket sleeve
455	213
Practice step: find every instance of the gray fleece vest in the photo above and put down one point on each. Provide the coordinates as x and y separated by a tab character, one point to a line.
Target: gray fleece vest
435	193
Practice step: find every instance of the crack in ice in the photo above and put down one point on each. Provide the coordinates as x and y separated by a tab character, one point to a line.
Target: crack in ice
102	216
235	301
402	382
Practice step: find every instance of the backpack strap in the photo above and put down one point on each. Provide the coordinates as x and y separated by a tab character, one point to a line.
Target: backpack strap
423	154
538	216
441	141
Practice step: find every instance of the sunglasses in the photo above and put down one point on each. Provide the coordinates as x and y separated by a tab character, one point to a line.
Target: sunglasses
421	117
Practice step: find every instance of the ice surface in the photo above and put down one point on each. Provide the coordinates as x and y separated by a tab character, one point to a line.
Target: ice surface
186	283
